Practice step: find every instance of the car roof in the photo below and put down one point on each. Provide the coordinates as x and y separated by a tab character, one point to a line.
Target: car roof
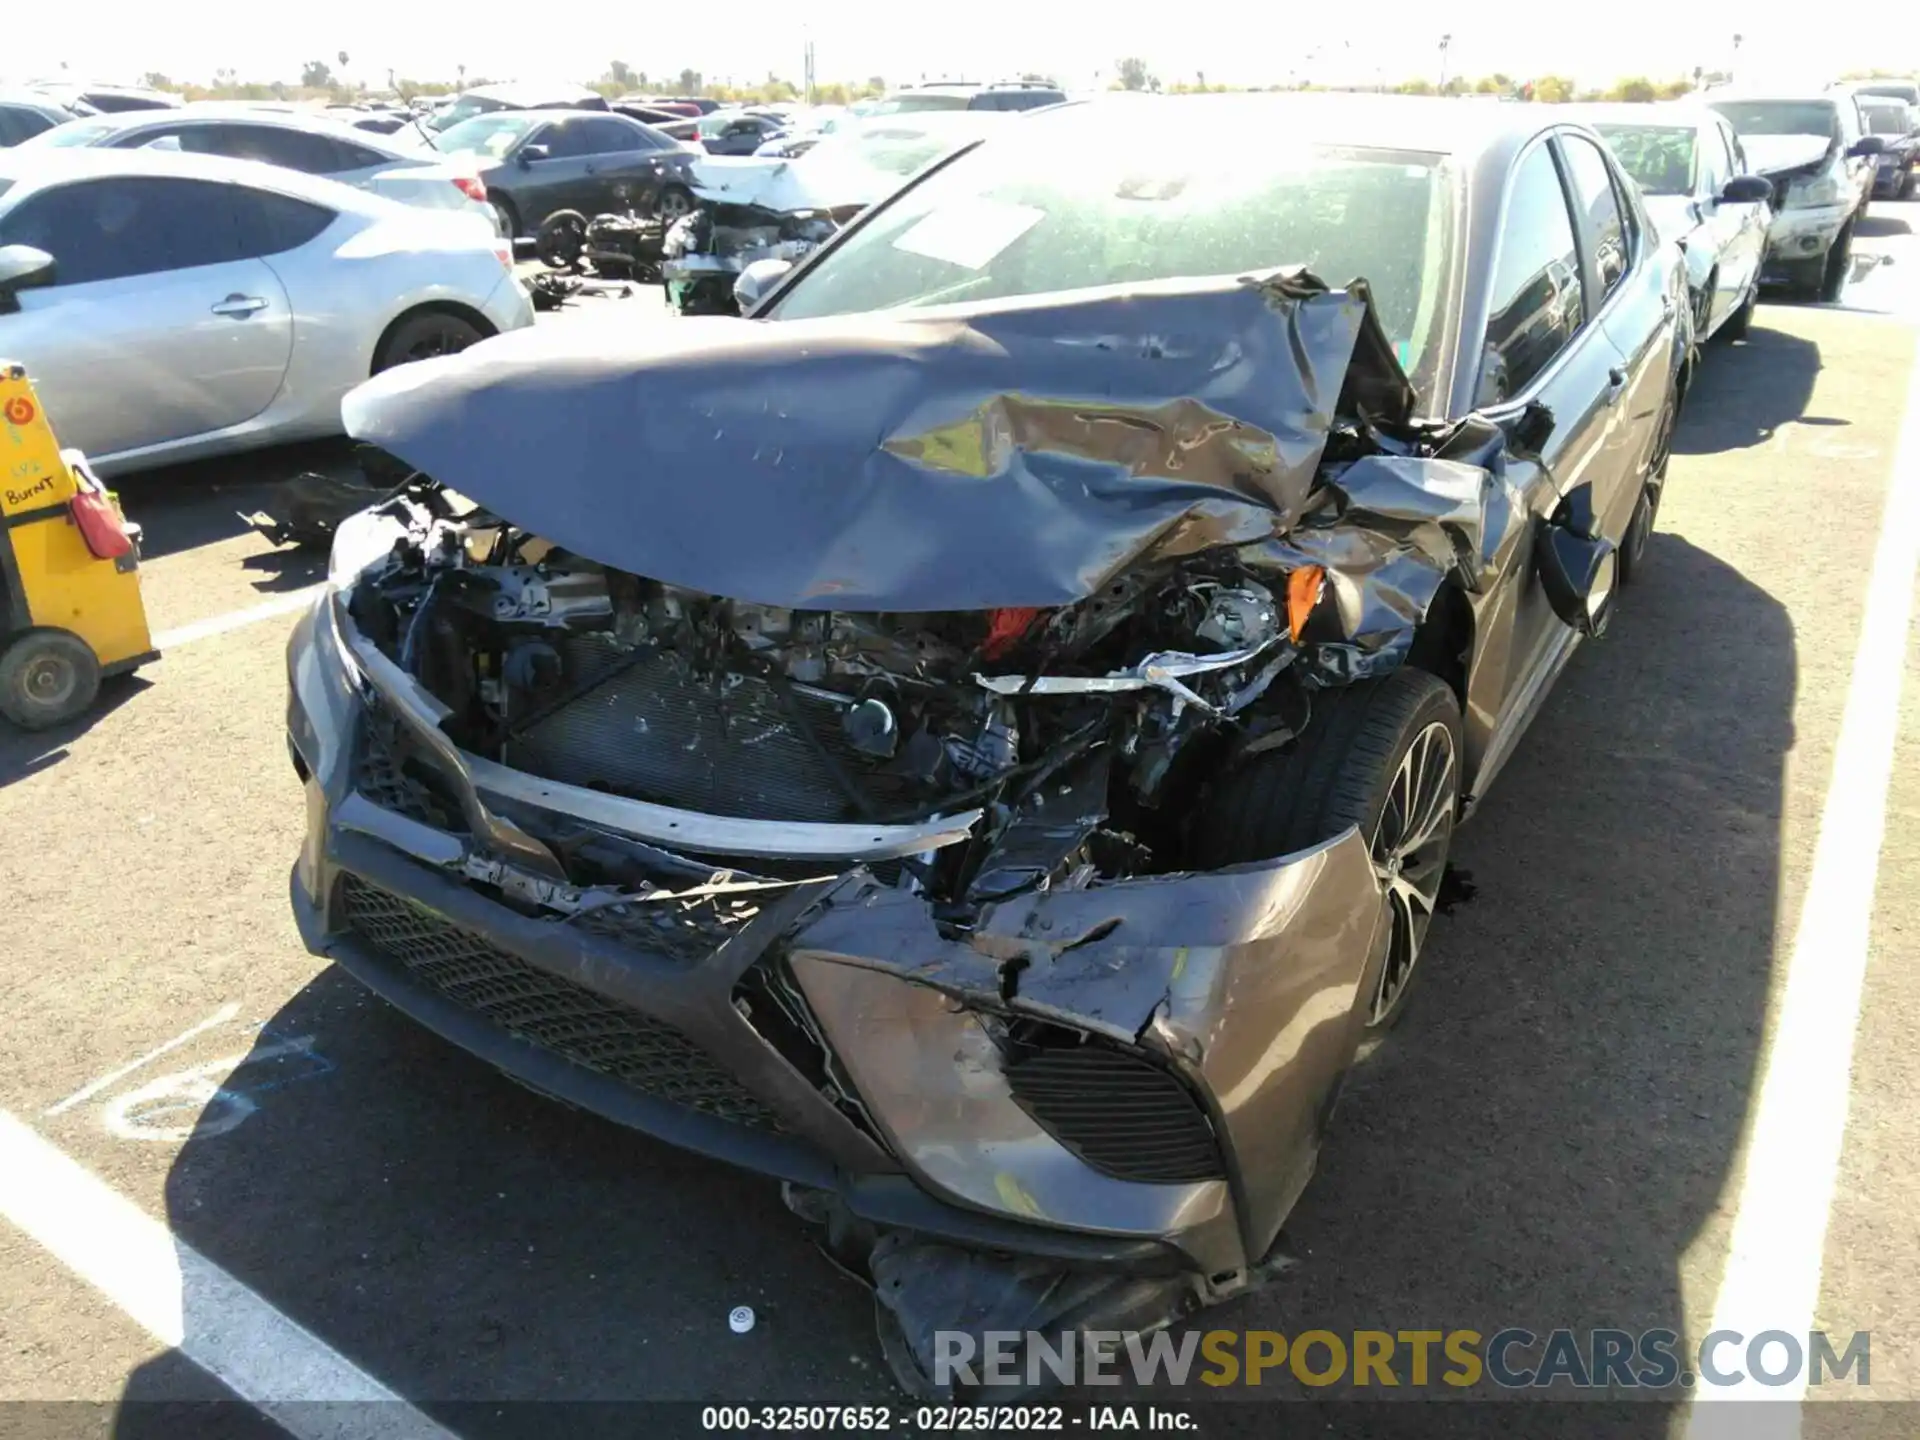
1665	112
33	99
1797	94
265	112
517	92
1416	123
33	167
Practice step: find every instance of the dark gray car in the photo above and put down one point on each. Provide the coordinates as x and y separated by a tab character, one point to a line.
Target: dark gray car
980	741
535	162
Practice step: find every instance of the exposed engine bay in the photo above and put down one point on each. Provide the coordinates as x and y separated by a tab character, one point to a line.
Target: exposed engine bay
1073	728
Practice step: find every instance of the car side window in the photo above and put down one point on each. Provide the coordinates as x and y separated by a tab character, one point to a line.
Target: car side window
10	129
271	224
112	229
1596	198
602	136
1537	304
563	142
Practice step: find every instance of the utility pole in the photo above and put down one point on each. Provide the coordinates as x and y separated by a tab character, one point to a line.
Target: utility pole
1733	66
1445	42
809	73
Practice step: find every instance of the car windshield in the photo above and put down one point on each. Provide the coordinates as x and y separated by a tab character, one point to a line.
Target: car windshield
74	132
920	100
1886	119
489	135
1091	200
465	108
1781	117
1658	157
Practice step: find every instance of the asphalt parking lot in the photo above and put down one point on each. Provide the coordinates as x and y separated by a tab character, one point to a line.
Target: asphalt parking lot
1557	1135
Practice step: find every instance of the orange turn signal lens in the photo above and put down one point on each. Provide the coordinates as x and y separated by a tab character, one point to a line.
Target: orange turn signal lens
1303	593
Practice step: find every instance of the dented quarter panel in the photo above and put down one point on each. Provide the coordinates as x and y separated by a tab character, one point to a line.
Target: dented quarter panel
1249	977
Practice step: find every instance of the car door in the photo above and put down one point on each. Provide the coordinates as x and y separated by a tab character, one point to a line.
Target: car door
1630	285
622	164
555	180
1541	343
1743	246
157	325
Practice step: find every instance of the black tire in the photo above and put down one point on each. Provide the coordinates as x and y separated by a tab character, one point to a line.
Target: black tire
47	677
1907	186
508	218
1342	773
560	239
424	335
674	202
1837	265
1741	320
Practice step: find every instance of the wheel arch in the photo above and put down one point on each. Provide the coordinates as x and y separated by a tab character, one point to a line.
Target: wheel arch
455	308
1443	642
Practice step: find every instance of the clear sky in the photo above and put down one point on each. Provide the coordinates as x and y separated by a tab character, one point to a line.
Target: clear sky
1230	40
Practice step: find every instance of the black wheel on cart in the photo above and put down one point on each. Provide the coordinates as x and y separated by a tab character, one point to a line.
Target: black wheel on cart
47	677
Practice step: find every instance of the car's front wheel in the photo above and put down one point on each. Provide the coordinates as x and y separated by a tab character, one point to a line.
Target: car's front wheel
1380	755
1833	278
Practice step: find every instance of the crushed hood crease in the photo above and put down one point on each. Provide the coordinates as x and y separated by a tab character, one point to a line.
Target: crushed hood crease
1017	453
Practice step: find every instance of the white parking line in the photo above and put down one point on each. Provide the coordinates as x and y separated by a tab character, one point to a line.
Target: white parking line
1772	1279
94	1087
234	619
186	1301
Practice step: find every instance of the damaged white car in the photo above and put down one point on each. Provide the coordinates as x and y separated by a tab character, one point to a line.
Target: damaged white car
981	741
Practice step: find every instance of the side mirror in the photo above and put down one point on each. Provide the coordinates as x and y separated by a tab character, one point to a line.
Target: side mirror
1747	190
21	268
1577	567
530	153
1868	145
756	280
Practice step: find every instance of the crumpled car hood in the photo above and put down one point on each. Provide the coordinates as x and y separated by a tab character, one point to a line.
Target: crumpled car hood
1776	154
1013	453
786	186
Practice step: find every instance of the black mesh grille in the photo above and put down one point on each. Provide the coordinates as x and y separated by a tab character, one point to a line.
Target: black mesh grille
658	731
1121	1113
587	1028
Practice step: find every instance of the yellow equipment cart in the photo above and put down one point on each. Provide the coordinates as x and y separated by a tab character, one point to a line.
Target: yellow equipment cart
70	607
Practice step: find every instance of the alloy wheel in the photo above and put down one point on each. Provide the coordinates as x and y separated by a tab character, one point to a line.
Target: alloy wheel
675	203
1410	846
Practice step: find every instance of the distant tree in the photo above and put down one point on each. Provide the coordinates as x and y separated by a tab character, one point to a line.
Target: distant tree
689	82
154	80
316	75
876	85
1488	85
1674	89
621	74
1414	87
1133	73
1638	90
1553	89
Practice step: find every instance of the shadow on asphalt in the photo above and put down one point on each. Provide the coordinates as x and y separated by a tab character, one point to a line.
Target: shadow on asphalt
1876	226
28	752
183	507
1538	1145
1746	390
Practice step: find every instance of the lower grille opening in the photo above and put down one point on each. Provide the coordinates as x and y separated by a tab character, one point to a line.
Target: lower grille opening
1119	1111
646	1054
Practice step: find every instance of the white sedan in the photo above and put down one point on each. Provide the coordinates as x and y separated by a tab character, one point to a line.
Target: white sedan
170	306
401	166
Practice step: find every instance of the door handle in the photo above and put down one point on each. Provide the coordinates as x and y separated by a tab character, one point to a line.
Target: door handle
238	307
1616	383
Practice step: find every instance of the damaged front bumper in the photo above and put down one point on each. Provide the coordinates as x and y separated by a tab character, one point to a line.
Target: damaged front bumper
1800	233
1132	1077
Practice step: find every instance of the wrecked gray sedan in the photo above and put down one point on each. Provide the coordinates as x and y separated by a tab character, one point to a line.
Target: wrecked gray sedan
981	740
